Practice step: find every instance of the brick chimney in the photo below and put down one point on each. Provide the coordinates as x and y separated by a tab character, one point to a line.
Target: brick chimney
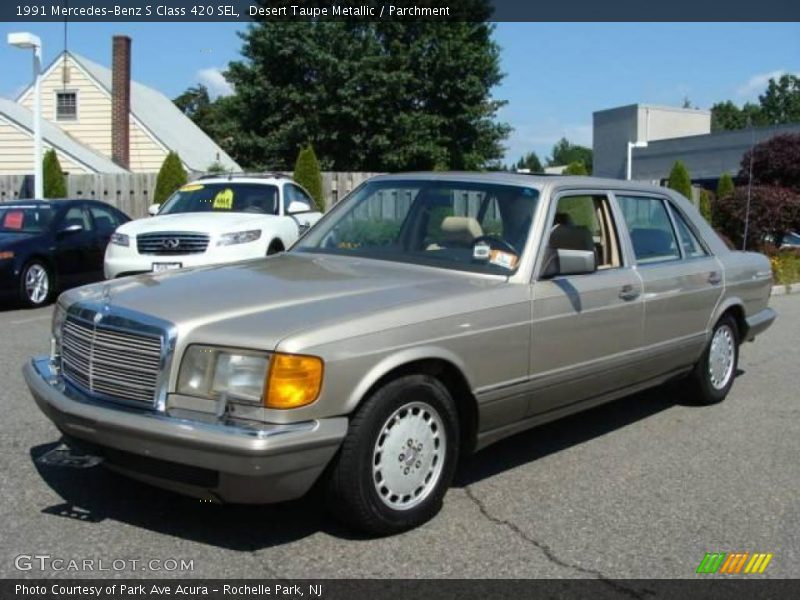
121	100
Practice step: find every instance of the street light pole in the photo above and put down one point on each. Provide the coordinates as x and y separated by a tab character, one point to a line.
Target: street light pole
629	164
29	41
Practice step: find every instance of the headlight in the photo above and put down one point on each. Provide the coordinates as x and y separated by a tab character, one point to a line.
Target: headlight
120	239
239	237
274	380
210	372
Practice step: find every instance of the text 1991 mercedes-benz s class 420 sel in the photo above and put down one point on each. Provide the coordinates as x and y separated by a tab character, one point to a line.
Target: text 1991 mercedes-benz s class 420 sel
424	317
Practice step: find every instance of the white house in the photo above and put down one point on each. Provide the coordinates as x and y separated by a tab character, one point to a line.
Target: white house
99	121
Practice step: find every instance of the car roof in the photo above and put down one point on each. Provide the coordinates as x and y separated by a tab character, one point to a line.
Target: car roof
257	178
523	179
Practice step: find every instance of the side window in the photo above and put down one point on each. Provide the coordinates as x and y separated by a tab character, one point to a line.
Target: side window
692	248
301	196
650	228
104	220
585	223
292	193
77	215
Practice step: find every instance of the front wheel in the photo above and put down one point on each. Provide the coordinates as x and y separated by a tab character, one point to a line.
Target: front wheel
713	375
398	458
35	284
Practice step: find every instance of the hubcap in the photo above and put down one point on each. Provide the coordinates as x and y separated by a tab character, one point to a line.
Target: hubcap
37	284
409	455
720	357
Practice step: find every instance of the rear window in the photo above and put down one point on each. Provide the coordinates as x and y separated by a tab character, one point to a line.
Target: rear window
223	197
25	218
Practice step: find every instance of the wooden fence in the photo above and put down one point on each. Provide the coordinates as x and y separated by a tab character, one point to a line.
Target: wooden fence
133	192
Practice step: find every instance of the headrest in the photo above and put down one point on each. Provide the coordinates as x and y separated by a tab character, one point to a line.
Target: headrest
461	229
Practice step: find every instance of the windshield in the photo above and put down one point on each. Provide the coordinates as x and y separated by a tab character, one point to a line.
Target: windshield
227	197
25	218
480	227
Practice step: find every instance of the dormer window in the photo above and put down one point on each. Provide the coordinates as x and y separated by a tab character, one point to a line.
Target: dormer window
66	106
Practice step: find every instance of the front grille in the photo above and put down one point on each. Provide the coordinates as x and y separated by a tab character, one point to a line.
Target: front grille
111	363
169	243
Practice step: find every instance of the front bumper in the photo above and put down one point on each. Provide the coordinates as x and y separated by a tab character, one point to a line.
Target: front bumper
206	460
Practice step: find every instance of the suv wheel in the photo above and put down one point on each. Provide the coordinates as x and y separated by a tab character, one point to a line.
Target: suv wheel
35	285
713	375
398	458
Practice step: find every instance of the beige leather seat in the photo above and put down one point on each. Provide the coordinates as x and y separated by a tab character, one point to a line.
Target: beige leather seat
460	231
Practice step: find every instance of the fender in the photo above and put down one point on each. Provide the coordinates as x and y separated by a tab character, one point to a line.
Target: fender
399	359
722	306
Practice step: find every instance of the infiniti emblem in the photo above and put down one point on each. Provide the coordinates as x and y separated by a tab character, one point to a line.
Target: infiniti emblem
171	243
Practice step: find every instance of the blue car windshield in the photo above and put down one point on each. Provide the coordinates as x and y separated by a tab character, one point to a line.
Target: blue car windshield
25	218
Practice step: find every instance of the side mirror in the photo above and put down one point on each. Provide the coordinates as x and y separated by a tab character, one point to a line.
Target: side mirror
70	230
569	262
296	207
153	209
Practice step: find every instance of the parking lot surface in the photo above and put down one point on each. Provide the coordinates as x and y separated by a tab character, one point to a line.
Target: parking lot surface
639	488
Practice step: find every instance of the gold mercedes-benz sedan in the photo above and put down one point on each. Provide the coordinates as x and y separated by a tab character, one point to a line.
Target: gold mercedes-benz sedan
424	317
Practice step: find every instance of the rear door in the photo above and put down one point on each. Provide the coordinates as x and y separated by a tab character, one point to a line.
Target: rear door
682	280
587	328
105	220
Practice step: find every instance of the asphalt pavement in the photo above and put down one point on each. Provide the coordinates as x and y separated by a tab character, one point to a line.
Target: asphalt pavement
639	488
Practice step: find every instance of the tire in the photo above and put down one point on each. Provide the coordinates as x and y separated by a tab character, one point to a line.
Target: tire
389	477
36	284
275	247
714	373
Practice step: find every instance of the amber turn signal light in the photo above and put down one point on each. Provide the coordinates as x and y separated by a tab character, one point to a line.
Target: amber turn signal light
294	380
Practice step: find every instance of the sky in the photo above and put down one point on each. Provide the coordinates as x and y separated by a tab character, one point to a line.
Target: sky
556	74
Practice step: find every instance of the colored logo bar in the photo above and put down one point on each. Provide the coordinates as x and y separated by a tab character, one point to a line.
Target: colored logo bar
733	563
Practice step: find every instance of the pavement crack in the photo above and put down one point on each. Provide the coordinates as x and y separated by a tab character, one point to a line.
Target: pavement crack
549	553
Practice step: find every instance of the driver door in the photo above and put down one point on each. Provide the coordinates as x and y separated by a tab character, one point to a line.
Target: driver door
75	249
586	328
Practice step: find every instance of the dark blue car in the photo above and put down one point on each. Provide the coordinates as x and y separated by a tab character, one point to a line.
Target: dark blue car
47	246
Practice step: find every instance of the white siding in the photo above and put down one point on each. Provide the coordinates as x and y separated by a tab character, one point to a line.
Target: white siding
16	152
93	124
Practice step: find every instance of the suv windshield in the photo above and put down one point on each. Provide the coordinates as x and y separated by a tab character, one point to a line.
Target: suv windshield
473	226
25	218
257	198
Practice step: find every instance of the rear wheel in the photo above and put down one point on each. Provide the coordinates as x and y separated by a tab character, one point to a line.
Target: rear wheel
35	284
398	458
713	375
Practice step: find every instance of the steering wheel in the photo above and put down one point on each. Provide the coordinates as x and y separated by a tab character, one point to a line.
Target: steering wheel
495	242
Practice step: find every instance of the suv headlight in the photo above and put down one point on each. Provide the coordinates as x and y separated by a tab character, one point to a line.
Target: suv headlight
250	377
120	239
239	237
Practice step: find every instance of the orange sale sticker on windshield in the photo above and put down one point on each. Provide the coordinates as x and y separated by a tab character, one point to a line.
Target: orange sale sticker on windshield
224	200
503	259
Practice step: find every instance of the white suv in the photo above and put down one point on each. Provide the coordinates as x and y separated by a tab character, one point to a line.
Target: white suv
215	219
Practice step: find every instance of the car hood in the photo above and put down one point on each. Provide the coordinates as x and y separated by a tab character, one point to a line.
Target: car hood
257	303
207	222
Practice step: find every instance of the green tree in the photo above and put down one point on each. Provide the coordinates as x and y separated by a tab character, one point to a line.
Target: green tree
531	162
679	179
373	96
576	168
565	153
54	180
216	168
212	116
780	103
725	186
705	205
308	174
171	176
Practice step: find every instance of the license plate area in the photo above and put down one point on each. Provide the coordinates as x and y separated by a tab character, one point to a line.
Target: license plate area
158	267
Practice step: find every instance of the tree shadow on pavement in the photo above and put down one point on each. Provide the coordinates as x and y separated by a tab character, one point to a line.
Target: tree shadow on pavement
94	494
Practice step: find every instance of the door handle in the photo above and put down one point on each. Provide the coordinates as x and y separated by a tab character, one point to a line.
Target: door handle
628	293
714	277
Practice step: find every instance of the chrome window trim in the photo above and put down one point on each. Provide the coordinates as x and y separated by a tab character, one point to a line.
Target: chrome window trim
667	203
125	320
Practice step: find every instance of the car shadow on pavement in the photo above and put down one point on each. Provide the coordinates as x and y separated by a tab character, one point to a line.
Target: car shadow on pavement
95	494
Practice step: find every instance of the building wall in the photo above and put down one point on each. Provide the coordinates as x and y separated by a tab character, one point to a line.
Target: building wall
93	124
16	151
614	128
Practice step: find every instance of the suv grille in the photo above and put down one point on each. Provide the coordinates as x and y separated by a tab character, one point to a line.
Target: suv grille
172	243
115	364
